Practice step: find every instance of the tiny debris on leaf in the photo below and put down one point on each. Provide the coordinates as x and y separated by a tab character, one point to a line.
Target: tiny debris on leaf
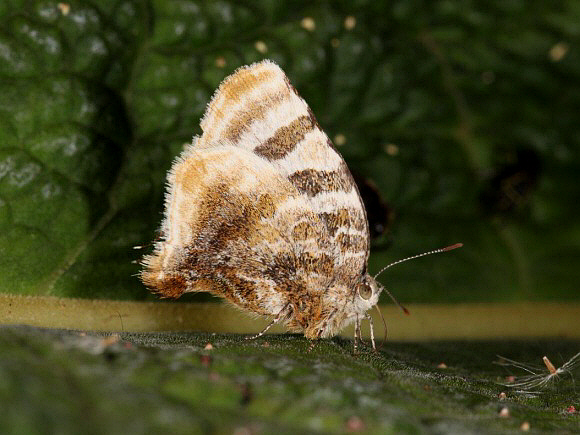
205	360
355	424
349	22
339	139
220	62
261	47
558	51
242	430
110	340
308	23
64	8
246	390
391	149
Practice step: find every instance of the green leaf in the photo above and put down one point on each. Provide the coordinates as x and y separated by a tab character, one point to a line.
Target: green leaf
477	107
175	383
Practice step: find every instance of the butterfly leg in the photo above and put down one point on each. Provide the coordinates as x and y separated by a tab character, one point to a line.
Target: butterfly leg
314	341
370	319
276	319
357	334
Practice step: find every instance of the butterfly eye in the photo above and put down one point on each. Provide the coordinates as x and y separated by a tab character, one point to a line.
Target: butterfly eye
365	291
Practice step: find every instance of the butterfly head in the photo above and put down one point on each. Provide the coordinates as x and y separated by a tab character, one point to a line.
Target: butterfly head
365	296
367	293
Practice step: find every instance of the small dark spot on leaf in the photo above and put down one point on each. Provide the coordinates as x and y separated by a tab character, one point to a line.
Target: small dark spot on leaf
355	424
246	390
205	360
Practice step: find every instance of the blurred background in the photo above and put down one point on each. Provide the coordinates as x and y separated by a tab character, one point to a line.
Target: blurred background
459	120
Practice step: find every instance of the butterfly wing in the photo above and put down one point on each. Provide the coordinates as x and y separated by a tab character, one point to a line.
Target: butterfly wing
226	231
261	209
258	110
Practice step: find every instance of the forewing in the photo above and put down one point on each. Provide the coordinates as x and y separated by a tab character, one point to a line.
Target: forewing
257	109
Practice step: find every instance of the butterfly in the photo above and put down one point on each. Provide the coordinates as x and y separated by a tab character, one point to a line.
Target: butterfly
262	210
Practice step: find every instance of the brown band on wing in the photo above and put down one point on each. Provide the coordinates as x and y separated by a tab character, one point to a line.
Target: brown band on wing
351	243
285	138
252	111
343	217
303	231
285	265
322	264
312	181
265	206
234	88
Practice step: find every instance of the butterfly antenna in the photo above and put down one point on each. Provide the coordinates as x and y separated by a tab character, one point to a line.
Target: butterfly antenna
436	251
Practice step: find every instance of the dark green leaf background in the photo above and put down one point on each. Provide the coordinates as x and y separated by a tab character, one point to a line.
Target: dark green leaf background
464	114
69	383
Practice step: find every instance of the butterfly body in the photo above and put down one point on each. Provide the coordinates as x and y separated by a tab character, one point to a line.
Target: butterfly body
263	211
